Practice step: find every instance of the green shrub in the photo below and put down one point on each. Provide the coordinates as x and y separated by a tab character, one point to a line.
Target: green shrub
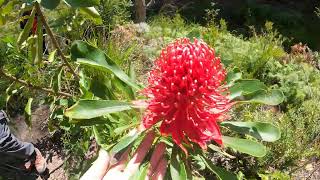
250	55
114	12
299	82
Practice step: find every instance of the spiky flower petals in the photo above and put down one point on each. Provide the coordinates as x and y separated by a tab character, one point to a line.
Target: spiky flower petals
186	94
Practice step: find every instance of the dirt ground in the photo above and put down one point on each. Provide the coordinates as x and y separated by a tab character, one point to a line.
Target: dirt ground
309	170
49	145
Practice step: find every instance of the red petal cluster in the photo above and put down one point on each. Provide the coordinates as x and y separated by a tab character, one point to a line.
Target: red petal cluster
186	93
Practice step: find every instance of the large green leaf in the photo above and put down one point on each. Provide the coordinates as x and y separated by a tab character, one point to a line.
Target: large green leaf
272	97
127	90
50	4
87	109
82	3
245	146
99	88
86	54
177	167
246	86
260	130
220	172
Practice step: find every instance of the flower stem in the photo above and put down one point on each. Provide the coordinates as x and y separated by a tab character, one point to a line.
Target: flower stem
31	86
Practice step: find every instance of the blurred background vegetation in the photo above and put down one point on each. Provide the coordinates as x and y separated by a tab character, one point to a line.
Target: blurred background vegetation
275	41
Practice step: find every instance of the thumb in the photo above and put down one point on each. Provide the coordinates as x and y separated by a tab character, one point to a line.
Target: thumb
99	167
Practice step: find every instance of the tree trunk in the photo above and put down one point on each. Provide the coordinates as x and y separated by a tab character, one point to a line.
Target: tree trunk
140	6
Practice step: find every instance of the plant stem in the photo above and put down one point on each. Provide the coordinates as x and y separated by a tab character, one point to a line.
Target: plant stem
54	40
31	86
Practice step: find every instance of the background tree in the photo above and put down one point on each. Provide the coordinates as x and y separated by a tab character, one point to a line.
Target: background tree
140	11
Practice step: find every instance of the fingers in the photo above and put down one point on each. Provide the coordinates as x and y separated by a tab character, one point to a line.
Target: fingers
160	172
141	152
28	165
156	157
99	167
120	166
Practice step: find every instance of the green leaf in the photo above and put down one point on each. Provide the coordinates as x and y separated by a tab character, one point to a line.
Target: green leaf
39	45
220	172
87	109
97	136
90	122
23	36
218	149
27	112
198	163
233	76
56	80
51	56
91	13
260	130
246	86
50	4
86	54
99	88
33	47
125	142
245	146
121	129
127	90
82	3
272	97
177	167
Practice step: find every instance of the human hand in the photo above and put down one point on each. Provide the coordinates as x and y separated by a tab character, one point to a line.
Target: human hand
102	168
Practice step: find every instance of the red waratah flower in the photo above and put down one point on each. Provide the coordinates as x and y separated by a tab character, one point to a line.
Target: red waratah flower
186	94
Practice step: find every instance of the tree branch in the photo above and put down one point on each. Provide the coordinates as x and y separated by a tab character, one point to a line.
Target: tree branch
31	86
54	41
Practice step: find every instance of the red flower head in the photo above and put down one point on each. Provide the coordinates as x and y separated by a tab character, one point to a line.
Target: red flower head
186	93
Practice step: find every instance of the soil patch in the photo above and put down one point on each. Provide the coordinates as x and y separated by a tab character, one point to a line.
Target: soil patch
50	145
